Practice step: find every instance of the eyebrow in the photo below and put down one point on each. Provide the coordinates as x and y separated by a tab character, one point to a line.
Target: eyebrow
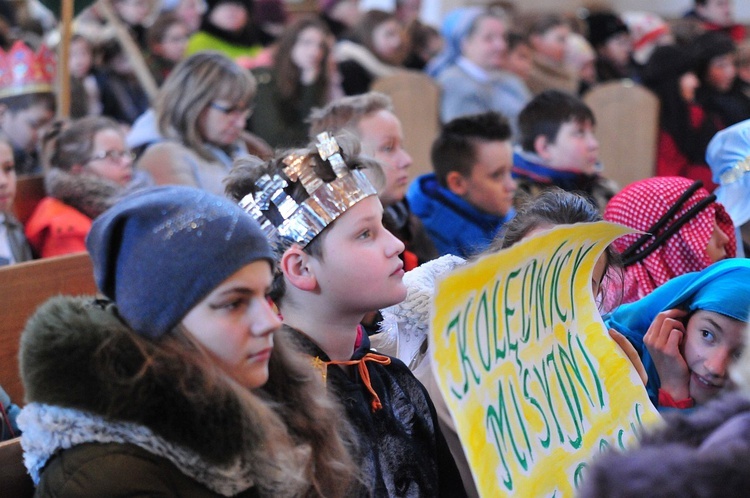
714	324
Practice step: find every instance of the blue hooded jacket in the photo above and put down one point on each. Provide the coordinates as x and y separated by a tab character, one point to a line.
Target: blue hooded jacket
455	226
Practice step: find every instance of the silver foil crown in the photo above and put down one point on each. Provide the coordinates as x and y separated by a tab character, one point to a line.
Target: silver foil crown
303	221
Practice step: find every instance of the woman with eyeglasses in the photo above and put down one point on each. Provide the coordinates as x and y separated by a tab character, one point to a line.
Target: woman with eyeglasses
91	168
199	119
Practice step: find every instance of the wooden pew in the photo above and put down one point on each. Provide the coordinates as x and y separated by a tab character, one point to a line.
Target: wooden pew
14	481
23	287
416	102
627	127
29	191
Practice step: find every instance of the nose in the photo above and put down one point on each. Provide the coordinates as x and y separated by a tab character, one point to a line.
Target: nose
593	142
510	183
394	246
264	319
406	159
716	364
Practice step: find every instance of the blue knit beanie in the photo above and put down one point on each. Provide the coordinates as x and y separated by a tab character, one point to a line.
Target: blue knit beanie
159	252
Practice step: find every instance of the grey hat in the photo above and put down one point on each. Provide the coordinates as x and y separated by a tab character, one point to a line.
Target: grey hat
159	252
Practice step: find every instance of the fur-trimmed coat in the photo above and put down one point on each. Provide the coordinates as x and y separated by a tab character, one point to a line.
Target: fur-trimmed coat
704	453
61	221
111	416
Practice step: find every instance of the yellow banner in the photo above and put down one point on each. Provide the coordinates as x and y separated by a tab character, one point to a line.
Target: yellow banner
532	379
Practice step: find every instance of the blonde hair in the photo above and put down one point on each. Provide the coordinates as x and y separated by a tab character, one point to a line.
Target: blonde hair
191	87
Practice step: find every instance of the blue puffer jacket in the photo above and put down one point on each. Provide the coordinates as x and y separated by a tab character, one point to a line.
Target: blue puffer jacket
455	226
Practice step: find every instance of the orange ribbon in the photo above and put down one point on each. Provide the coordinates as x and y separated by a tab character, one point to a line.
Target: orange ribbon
365	374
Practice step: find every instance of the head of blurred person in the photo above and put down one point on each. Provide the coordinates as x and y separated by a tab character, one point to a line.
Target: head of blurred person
206	100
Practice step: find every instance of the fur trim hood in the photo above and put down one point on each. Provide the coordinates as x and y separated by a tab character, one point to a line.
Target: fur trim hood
88	193
84	372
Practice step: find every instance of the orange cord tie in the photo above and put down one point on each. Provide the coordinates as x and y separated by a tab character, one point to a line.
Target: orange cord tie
365	374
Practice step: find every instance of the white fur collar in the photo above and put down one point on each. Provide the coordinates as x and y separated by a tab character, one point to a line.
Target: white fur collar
47	429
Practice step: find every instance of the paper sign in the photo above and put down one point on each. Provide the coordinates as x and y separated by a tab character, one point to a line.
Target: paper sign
533	381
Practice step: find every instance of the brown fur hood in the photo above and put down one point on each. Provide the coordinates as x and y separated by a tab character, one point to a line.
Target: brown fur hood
77	357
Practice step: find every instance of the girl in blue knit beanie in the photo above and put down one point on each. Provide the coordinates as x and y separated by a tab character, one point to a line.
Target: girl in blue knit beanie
177	384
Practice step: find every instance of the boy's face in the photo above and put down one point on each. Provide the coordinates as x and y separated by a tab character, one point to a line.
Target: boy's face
721	72
24	128
235	323
717	11
712	343
553	42
617	49
174	42
490	187
80	58
382	139
520	61
360	270
575	148
7	178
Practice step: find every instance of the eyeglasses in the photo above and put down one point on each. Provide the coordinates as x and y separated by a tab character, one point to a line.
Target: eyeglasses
234	111
112	155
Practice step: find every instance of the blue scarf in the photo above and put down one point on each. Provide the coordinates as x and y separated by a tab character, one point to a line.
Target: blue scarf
723	287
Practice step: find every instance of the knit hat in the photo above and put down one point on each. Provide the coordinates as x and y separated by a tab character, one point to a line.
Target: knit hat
603	26
728	155
159	252
646	30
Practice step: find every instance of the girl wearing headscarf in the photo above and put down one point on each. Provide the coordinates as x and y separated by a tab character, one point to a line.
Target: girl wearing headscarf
689	331
686	231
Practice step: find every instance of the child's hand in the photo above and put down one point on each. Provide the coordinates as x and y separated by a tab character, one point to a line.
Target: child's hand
631	353
663	340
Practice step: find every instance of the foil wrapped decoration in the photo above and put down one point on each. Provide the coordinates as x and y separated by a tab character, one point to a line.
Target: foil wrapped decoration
303	221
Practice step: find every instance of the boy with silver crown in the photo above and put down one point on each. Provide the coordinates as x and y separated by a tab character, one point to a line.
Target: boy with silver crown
336	263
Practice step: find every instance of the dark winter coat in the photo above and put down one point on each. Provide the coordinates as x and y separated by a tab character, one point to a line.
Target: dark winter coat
403	453
701	454
110	416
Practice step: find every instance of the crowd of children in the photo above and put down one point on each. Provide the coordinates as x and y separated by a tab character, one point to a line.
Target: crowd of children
272	194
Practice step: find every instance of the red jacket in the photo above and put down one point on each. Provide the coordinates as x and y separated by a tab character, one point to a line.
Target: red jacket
55	228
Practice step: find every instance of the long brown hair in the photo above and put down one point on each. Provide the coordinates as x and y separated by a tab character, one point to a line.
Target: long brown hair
287	73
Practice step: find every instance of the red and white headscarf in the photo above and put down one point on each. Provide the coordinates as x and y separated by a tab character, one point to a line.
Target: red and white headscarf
640	205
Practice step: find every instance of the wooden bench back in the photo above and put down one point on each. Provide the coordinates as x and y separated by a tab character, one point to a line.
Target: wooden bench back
14	481
627	127
29	191
416	102
25	286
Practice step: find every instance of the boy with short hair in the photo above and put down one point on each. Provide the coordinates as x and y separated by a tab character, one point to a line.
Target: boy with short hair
371	119
557	147
337	263
469	197
27	101
14	248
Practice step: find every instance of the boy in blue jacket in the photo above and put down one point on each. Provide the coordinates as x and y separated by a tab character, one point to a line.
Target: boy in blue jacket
466	201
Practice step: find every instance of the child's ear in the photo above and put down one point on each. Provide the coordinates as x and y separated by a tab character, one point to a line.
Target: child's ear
295	264
541	147
457	183
76	169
